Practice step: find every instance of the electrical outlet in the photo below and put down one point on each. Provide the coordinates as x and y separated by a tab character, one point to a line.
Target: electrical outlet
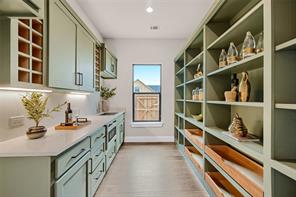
16	121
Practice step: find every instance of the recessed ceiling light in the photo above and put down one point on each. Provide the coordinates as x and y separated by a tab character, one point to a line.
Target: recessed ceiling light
149	9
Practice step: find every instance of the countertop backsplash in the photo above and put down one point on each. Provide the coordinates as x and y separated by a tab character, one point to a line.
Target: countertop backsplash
10	106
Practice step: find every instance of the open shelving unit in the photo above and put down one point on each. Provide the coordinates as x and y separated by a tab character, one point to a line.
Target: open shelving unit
30	51
271	112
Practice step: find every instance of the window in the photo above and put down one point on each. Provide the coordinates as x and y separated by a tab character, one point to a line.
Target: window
146	93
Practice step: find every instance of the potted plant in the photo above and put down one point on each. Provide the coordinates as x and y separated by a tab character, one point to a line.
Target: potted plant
35	105
106	94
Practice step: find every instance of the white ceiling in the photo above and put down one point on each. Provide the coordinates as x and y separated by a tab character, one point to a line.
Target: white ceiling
177	19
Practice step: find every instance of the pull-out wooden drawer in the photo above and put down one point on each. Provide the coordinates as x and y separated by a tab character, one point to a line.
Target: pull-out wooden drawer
196	136
70	157
97	154
195	157
98	137
97	176
220	186
243	170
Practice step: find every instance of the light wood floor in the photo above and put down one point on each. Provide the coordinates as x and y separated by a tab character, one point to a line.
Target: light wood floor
156	170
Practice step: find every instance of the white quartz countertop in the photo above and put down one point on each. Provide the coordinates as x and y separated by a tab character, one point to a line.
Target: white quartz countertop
54	142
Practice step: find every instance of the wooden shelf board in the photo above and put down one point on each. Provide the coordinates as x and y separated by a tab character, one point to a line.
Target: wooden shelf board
180	71
250	63
36	46
196	60
193	144
23	24
197	80
181	115
24	39
36	72
253	20
244	104
285	167
23	69
199	124
36	33
289	45
179	100
229	178
23	54
285	106
194	101
252	149
180	130
36	59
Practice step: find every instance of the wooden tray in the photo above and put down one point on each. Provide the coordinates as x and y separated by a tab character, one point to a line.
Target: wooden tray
195	135
72	127
220	185
189	151
243	170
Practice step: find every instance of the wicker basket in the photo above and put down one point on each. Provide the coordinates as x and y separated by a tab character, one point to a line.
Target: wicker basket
230	96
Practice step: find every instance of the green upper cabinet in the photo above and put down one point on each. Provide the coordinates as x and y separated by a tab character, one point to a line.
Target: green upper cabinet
71	51
109	65
85	60
62	47
22	8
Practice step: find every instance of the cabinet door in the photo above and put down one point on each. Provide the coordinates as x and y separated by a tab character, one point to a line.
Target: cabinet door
85	60
62	47
74	183
108	62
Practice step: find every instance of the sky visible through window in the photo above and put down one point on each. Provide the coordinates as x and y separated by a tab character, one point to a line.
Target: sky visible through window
148	74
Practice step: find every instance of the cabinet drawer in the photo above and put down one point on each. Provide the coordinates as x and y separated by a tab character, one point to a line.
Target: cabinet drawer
70	157
98	137
111	153
97	177
112	124
97	154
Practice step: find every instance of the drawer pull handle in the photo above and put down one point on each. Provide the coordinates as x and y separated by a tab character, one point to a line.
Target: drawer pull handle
74	157
99	153
99	137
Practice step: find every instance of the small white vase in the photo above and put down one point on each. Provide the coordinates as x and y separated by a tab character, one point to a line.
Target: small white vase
105	105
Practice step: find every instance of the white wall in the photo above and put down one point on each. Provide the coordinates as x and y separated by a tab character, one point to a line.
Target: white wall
10	105
138	51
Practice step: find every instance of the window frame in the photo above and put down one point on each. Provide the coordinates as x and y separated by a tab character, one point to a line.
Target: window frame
155	93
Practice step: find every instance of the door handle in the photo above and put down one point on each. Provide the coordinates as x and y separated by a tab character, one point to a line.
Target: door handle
81	79
81	151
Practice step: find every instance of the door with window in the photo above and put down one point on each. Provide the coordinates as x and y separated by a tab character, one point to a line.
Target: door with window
146	93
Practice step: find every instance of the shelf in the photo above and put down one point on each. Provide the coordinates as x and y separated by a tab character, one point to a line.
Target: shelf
196	60
289	45
197	80
180	71
285	167
229	178
180	130
181	115
194	101
179	100
285	106
196	157
254	150
24	55
199	124
36	59
195	137
180	85
251	21
243	104
250	63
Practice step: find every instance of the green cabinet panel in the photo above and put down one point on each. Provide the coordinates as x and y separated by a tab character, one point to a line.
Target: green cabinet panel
109	65
85	59
62	47
74	183
21	8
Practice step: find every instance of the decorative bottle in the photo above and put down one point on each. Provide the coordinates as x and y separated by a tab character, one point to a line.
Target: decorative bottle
260	45
232	54
249	45
223	59
234	85
244	88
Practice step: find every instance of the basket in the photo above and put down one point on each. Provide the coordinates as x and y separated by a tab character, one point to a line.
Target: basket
230	96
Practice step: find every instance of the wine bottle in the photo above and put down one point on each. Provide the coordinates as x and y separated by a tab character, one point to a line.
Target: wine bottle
68	114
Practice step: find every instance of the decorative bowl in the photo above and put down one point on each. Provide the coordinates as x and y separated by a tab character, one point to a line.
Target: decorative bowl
198	117
36	132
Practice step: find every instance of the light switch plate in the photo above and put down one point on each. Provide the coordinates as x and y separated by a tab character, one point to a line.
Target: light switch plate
16	121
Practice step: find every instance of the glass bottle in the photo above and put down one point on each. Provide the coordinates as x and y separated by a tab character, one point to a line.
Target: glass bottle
223	59
249	45
232	54
260	45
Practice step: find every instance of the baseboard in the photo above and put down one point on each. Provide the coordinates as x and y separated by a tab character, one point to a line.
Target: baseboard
136	139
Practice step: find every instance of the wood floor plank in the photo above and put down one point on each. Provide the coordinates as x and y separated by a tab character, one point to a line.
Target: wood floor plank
150	170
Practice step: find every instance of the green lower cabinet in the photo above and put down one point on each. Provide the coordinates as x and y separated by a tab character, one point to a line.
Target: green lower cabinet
74	183
97	176
111	152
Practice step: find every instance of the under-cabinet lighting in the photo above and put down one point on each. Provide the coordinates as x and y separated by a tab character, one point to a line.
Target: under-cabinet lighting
80	93
23	89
